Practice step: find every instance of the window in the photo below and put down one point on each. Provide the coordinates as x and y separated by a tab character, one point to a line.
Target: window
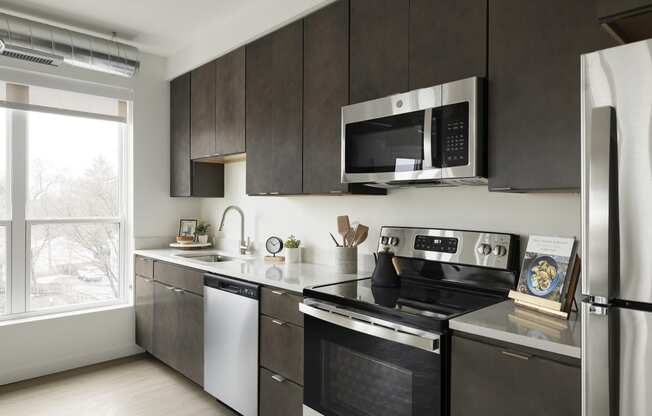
63	228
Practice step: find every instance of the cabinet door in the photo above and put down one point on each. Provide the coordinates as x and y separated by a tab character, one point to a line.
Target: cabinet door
448	41
281	348
166	325
144	308
274	112
326	90
230	103
191	335
202	111
180	165
534	91
610	8
279	396
489	380
379	48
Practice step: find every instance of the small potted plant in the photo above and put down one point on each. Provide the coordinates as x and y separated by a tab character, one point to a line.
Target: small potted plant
292	250
202	232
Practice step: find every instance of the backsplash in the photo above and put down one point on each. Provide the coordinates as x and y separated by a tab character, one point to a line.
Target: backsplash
311	218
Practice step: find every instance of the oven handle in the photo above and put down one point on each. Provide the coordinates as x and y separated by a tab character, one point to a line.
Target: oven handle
371	326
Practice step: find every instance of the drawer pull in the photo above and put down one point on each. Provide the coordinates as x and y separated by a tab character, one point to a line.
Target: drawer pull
278	292
515	355
179	290
279	323
169	287
278	378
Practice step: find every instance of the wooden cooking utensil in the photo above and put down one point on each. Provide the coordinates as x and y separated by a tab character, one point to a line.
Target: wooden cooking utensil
348	238
343	227
361	232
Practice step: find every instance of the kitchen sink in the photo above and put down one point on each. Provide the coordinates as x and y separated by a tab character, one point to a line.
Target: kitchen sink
207	258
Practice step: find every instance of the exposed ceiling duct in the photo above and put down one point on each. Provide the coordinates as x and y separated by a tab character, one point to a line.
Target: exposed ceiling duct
44	44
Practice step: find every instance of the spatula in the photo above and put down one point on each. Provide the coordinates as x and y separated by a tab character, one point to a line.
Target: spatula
343	227
361	232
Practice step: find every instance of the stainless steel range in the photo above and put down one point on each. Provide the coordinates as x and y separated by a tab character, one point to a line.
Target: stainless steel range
386	351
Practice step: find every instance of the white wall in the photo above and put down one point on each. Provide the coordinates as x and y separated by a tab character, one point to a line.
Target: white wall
34	348
311	218
249	21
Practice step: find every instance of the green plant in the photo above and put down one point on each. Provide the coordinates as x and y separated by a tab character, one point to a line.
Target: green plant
202	228
292	242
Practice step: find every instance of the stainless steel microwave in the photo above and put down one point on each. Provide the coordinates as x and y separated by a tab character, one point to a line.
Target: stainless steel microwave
429	136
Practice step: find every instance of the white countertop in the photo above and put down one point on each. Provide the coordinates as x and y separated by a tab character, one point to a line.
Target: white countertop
292	277
507	322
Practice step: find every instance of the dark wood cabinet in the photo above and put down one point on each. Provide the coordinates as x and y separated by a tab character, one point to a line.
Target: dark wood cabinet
611	8
534	91
326	90
188	178
202	111
281	348
626	20
378	48
282	305
230	103
492	378
448	41
274	106
279	396
144	310
178	321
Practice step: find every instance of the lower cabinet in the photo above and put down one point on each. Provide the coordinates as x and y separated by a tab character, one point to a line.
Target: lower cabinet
279	396
498	379
178	336
144	307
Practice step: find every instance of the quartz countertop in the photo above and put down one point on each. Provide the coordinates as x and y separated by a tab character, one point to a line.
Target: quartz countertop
510	323
293	277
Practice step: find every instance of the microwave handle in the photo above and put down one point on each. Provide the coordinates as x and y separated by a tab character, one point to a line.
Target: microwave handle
427	139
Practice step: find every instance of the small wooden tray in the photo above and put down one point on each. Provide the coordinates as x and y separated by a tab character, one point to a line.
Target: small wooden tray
190	246
275	259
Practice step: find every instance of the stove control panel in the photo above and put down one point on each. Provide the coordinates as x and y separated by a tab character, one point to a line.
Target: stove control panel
474	248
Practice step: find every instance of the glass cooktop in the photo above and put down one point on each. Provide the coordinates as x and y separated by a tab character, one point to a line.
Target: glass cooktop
421	304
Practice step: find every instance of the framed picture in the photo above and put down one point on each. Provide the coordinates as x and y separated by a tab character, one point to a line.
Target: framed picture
187	227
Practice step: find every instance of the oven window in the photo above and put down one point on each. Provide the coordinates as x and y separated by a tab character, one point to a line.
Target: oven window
357	384
388	144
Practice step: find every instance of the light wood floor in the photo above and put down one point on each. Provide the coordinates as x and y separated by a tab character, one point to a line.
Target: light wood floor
139	386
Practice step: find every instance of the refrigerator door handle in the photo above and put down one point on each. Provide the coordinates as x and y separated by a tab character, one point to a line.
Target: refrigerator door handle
596	178
596	360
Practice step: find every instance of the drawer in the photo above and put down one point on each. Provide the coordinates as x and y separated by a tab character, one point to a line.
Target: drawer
279	397
281	348
186	279
281	304
144	267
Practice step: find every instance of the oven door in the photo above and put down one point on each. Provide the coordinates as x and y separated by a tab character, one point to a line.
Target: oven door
390	139
355	365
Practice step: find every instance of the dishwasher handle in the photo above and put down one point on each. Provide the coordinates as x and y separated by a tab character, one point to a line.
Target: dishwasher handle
233	286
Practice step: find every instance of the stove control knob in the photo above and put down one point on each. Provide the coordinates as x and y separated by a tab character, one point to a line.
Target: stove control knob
484	249
393	241
499	251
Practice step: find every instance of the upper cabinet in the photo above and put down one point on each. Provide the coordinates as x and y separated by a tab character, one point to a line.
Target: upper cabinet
230	103
448	41
379	48
274	111
626	20
326	90
534	91
188	178
202	111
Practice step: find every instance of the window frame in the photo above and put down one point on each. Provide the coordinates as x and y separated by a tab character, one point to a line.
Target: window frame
19	278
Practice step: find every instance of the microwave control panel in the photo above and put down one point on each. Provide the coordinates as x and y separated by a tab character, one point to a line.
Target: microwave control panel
454	134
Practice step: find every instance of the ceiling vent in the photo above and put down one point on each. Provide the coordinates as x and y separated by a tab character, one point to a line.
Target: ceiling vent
49	45
30	55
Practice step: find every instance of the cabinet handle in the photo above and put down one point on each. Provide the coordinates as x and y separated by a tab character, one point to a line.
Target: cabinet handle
179	290
274	193
278	292
277	322
262	193
278	378
335	192
169	287
515	355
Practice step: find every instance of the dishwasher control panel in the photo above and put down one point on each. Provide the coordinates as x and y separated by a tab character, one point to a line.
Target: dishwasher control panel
236	287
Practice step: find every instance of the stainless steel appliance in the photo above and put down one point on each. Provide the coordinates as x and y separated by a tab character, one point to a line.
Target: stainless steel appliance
384	351
616	231
231	342
428	136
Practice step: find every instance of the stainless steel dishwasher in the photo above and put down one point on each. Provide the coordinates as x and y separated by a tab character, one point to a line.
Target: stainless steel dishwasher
231	342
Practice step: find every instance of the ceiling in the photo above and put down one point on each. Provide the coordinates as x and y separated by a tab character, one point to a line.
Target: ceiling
161	27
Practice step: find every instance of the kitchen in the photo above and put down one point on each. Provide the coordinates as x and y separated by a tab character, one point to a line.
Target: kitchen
435	141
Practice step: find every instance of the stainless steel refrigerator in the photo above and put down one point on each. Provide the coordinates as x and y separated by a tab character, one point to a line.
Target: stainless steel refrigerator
617	231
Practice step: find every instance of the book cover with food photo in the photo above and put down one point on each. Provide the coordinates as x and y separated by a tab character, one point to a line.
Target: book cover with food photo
547	264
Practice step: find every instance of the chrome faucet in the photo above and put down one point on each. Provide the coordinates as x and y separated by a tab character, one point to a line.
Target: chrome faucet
244	245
